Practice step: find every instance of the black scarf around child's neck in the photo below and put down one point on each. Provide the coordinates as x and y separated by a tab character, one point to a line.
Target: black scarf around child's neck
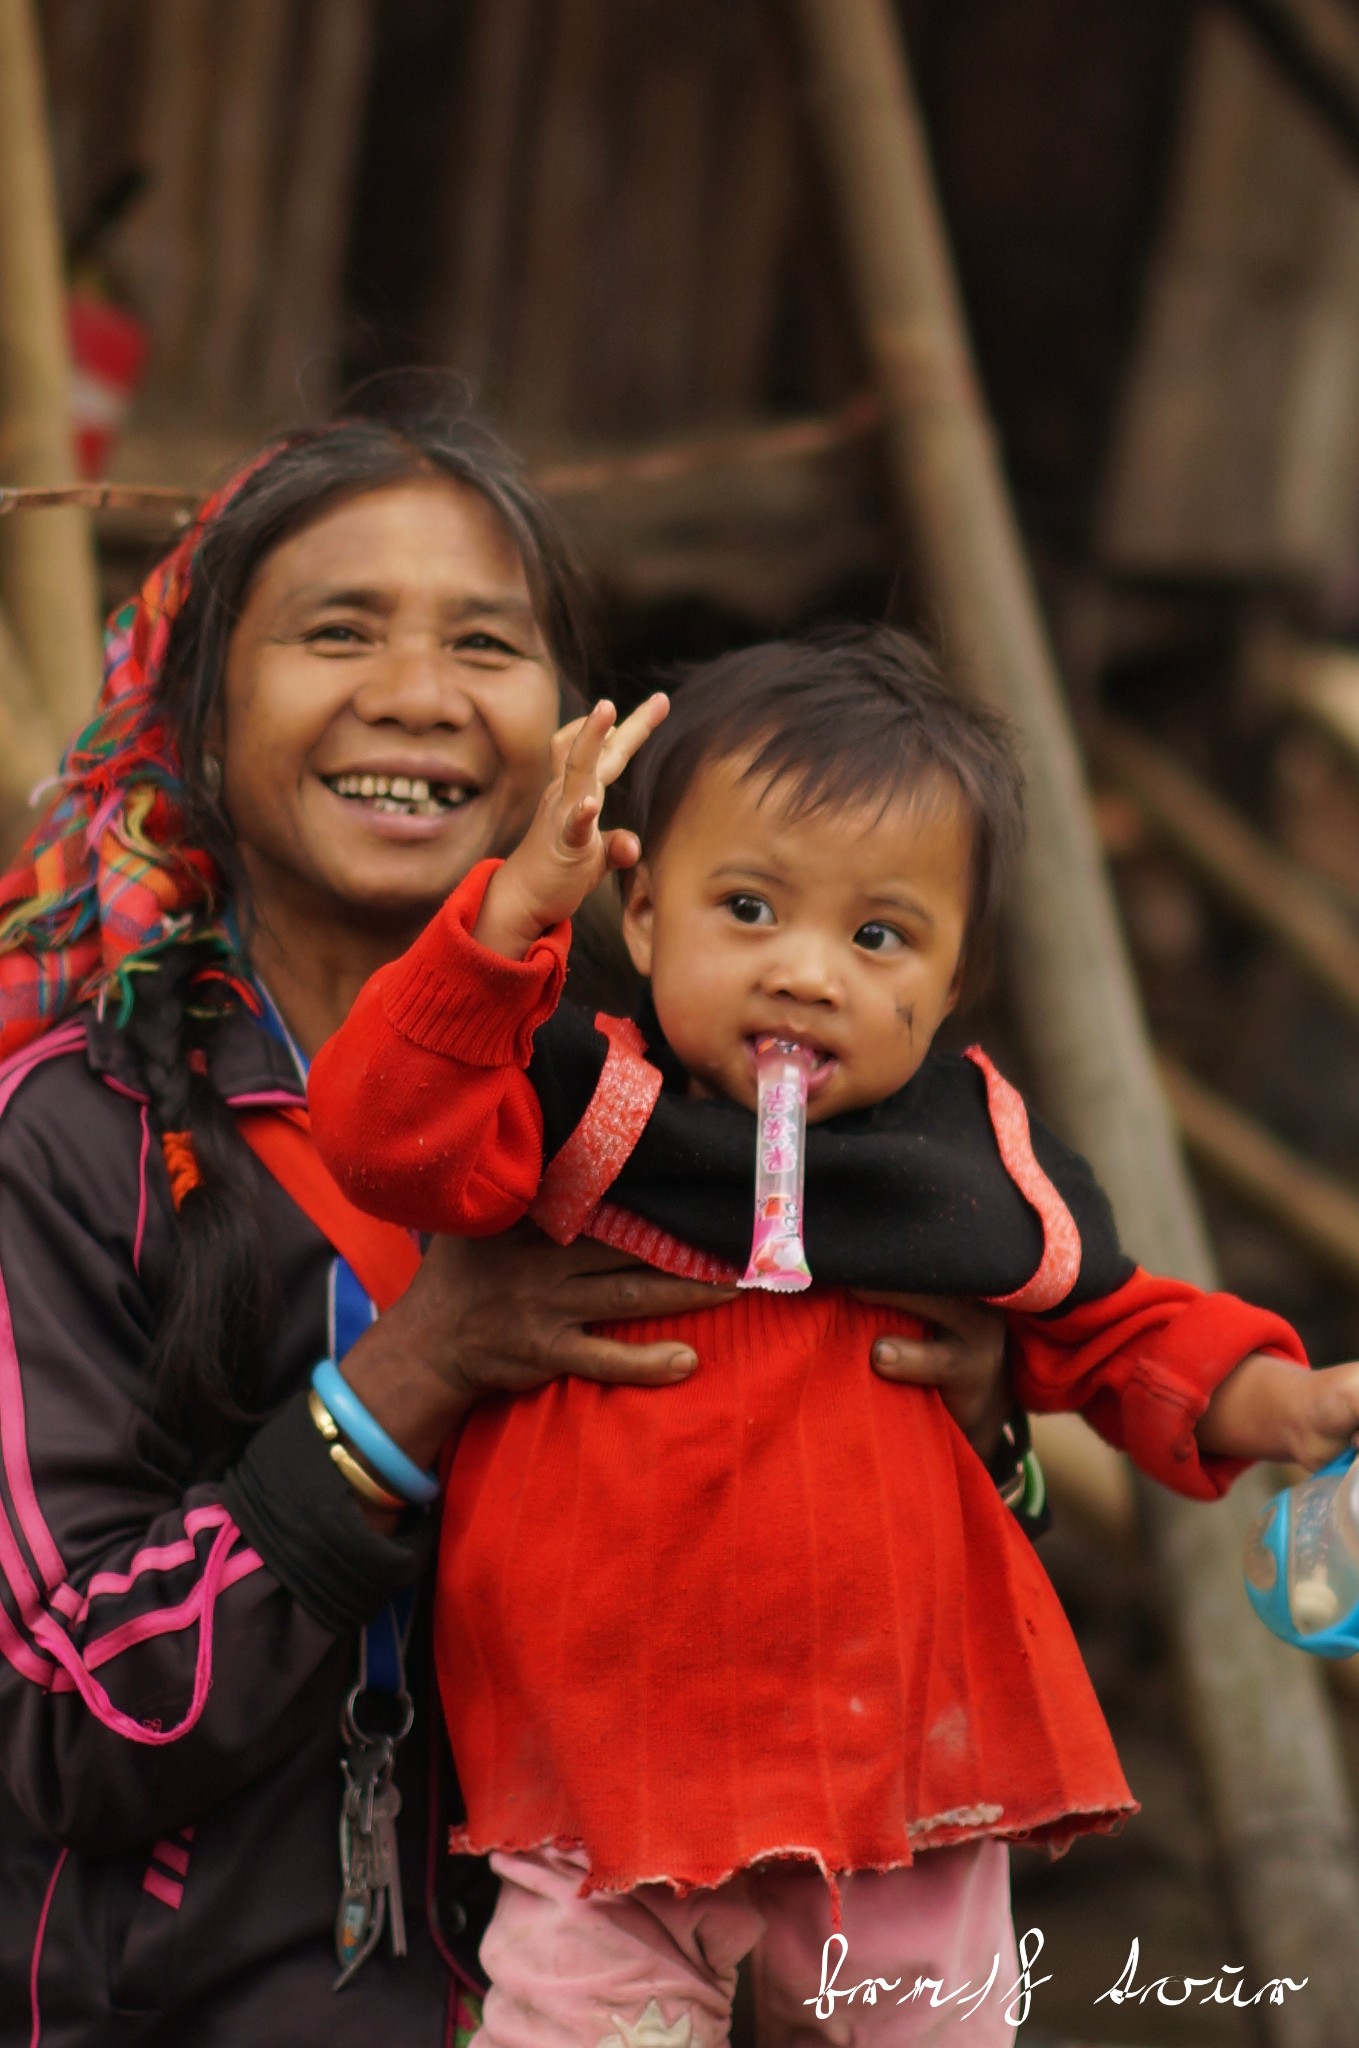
911	1195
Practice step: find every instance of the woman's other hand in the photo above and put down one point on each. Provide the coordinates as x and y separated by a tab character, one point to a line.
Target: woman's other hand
503	1315
964	1358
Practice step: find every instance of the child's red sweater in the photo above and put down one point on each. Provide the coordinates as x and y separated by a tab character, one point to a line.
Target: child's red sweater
777	1609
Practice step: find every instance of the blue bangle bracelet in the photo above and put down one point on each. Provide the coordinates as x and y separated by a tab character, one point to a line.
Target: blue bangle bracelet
387	1459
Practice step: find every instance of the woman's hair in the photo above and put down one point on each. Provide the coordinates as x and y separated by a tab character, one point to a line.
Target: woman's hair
850	718
207	1355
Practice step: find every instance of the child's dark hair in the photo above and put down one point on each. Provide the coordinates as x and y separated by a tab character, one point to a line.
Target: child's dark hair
846	719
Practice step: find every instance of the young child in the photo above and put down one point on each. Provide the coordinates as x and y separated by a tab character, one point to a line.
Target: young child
704	1648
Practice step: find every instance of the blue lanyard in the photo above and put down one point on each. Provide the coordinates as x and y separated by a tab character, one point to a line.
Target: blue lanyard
350	1310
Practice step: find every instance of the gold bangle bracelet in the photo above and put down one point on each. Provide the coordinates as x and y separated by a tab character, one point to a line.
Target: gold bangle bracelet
344	1461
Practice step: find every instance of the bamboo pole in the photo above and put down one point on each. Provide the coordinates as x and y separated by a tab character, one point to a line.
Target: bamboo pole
1271	889
28	743
1282	1811
1317	680
47	575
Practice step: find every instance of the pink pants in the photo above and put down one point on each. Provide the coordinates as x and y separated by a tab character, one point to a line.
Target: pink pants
644	1969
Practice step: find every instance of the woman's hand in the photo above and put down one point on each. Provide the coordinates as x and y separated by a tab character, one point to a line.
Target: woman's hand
503	1315
965	1359
564	854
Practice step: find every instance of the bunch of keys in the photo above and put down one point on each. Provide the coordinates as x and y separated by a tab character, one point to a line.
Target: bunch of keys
371	1896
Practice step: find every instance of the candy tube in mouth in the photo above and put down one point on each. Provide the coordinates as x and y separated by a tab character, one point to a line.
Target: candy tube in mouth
777	1259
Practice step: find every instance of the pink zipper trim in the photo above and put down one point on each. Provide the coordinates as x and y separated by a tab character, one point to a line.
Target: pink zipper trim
73	1672
140	1231
34	2008
17	1470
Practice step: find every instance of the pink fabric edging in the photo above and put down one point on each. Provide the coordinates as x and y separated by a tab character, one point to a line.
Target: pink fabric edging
1060	1266
34	2008
157	1557
17	1472
164	1621
168	1890
73	1672
140	1231
174	1856
599	1147
608	1224
198	1607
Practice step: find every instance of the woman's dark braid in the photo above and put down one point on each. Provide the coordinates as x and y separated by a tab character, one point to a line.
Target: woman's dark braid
205	1359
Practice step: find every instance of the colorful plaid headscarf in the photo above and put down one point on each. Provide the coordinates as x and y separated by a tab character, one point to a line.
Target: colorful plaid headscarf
107	881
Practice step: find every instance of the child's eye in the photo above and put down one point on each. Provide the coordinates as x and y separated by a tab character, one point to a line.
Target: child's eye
879	938
750	909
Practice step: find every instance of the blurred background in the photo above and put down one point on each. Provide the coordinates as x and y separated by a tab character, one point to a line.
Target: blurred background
612	218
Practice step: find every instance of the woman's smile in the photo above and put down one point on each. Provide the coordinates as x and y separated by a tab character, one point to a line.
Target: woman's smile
389	706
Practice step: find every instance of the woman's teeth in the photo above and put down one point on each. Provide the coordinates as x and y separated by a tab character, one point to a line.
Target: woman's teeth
409	796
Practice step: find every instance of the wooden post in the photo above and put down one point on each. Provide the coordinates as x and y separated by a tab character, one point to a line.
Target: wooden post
28	745
1282	1810
47	575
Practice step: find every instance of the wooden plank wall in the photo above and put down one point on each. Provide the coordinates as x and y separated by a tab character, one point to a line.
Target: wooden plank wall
245	120
1252	470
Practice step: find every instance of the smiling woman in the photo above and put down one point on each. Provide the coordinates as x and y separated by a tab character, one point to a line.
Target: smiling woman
333	699
391	645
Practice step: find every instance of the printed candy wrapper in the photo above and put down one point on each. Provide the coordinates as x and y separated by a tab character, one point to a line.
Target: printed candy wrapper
777	1260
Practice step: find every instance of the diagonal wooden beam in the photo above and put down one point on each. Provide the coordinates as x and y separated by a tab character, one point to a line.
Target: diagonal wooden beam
1316	45
1312	1208
1239	862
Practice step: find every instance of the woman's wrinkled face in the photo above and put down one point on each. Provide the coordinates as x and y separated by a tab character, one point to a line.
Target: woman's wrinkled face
389	705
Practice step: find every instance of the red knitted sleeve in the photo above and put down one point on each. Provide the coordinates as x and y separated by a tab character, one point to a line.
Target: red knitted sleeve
420	1103
1141	1365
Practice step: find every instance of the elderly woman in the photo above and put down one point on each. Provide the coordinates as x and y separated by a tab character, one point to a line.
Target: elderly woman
335	696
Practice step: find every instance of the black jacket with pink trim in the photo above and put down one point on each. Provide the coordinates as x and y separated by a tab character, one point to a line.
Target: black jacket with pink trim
980	1196
174	1652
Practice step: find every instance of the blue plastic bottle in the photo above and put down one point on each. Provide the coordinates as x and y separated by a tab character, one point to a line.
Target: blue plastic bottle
1302	1561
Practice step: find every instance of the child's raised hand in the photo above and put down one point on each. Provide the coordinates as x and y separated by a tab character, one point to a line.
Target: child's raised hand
564	854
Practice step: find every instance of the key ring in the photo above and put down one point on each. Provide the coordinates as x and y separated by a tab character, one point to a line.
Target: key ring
354	1731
